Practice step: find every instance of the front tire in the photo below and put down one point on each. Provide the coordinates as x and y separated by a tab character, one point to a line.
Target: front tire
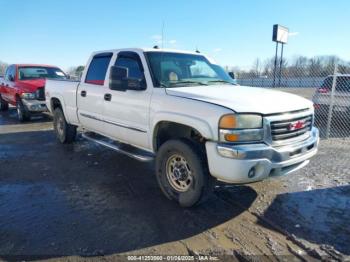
65	132
22	113
4	106
182	172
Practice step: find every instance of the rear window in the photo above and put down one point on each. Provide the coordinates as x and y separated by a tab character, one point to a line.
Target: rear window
98	68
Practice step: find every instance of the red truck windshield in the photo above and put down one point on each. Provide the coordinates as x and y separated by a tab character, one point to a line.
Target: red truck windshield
28	73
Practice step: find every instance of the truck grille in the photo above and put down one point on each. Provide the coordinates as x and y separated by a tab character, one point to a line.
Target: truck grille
40	93
291	128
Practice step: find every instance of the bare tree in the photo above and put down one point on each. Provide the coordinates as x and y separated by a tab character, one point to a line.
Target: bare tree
3	67
75	71
315	66
298	67
257	67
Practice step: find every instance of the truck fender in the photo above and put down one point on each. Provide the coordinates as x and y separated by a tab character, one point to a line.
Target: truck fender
198	124
63	105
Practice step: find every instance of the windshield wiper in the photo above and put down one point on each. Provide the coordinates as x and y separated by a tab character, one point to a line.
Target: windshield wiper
188	82
220	81
163	85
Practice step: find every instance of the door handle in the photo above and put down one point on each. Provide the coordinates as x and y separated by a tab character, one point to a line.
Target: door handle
108	97
83	93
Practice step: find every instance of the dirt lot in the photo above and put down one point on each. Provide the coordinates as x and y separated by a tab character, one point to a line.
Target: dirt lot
82	200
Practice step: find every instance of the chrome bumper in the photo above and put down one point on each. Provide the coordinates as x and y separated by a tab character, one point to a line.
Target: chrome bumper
35	106
254	162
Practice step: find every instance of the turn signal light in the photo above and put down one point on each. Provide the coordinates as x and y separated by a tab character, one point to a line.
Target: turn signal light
228	122
231	137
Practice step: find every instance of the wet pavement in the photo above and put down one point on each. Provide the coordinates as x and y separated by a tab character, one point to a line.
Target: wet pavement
58	201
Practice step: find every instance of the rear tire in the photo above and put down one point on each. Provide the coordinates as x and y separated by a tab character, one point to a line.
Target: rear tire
182	172
22	113
4	106
65	133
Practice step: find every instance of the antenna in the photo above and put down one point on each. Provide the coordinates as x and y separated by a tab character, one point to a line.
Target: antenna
163	25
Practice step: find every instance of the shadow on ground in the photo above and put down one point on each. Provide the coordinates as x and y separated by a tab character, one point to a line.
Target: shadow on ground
10	118
82	199
319	216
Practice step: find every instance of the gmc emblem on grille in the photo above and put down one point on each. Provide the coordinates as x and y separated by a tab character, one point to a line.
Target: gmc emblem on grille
296	125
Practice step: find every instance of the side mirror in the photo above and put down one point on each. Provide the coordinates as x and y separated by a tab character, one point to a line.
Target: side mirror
232	75
11	78
119	80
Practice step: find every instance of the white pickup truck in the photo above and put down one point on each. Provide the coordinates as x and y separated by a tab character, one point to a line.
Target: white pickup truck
184	111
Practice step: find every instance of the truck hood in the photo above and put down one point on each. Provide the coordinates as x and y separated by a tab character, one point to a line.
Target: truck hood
31	85
243	98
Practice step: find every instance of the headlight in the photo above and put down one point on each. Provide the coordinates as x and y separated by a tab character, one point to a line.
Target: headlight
241	128
28	96
240	121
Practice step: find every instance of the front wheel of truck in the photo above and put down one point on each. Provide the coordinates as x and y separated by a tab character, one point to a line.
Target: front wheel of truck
182	172
4	106
65	132
22	112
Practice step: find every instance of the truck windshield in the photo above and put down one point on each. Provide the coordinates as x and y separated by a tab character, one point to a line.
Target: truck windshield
177	69
28	73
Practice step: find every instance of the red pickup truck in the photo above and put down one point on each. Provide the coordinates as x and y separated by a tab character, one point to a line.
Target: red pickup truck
23	86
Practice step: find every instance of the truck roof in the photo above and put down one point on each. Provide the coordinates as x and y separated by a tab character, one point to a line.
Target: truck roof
38	65
149	50
339	75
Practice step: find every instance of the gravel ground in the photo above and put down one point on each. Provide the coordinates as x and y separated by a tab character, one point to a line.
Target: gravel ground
82	200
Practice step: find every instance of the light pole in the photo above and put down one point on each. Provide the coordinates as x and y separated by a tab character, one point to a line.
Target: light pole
280	36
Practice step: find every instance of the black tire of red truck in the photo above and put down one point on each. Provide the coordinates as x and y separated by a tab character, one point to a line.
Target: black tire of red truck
4	106
65	133
182	172
22	113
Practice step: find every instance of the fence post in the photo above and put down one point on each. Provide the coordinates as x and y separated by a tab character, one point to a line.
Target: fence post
331	104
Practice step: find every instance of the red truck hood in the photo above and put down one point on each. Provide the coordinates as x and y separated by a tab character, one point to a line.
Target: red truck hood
31	85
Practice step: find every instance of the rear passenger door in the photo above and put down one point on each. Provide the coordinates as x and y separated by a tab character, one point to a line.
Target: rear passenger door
90	94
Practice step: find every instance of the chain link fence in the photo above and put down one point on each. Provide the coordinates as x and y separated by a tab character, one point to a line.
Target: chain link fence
327	86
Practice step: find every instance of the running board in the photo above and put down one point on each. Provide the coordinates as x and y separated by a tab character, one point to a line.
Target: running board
138	154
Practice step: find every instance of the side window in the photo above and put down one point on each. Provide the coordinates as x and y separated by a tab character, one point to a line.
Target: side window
6	77
132	62
98	68
132	65
327	83
10	73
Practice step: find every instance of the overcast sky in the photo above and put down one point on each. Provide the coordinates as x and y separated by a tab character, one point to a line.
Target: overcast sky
64	33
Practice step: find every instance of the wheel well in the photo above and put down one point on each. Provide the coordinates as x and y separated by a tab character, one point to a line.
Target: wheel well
165	131
55	103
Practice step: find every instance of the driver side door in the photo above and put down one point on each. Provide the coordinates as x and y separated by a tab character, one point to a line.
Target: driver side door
9	87
127	112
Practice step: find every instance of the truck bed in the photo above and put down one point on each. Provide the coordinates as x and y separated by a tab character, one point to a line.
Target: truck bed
66	90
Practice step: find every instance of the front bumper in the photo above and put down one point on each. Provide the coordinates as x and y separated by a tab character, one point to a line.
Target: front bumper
255	162
35	106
